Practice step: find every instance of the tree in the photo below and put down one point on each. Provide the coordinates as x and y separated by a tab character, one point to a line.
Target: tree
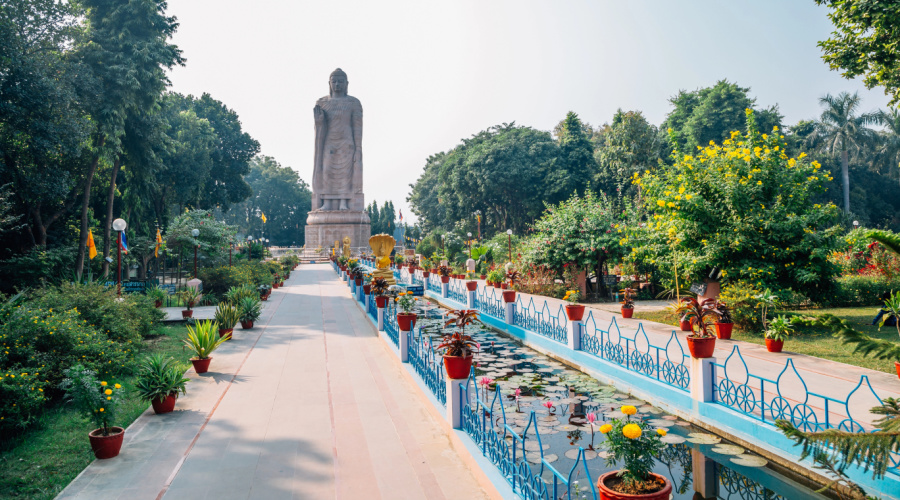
424	198
841	131
574	168
743	207
629	145
888	153
865	42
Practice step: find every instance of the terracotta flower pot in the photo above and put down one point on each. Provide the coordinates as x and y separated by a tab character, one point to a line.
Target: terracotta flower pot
359	281
458	367
164	405
226	332
381	301
685	326
187	314
367	289
106	446
503	286
723	330
482	277
158	304
701	347
471	286
264	297
509	296
425	274
627	312
610	478
201	365
897	366
246	325
574	312
406	321
773	345
445	279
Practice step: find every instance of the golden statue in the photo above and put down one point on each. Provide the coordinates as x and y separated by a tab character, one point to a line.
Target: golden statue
337	249
347	247
382	245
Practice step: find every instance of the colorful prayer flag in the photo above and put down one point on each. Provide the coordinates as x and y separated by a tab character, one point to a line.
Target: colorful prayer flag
92	248
123	244
158	243
263	217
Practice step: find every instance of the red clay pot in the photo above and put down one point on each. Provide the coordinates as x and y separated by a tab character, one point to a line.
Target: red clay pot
503	286
367	289
359	281
406	321
458	367
425	274
201	365
608	494
158	303
226	332
627	312
187	314
445	279
471	286
701	347
574	312
264	297
482	277
164	405
723	330
381	301
773	345
685	326
897	366
246	325
106	446
509	296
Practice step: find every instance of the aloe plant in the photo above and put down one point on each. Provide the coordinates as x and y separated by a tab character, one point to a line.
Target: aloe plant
236	294
159	377
156	293
189	296
204	339
227	315
249	308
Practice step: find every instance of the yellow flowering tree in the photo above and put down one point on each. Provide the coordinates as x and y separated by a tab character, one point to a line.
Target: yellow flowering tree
744	207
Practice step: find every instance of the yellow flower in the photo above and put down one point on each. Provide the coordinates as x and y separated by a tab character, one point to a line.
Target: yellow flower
107	392
632	431
108	398
629	410
102	409
661	432
118	386
103	384
605	428
661	203
687	197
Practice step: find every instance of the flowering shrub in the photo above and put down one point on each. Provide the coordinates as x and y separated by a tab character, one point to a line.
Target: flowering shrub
744	207
21	399
95	399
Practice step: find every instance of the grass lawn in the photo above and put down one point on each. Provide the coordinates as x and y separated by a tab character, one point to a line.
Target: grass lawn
816	342
41	462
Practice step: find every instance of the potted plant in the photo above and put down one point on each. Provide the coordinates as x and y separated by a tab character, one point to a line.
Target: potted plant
701	341
203	340
380	289
445	271
458	347
426	265
725	324
471	285
227	316
156	294
406	319
494	278
189	297
779	329
249	310
159	382
367	284
97	400
512	277
627	302
636	444
264	291
399	260
574	310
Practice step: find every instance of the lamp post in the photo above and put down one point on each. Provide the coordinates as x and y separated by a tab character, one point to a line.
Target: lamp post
478	220
856	224
230	249
249	248
442	244
119	225
509	242
195	233
469	242
265	247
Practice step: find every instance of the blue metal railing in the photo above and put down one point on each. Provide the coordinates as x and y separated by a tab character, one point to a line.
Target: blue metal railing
489	302
457	291
668	364
542	321
427	364
391	328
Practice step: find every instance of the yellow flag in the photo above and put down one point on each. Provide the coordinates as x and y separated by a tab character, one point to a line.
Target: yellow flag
263	217
158	243
92	248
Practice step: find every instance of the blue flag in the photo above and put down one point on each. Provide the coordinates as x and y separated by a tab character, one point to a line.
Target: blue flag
123	244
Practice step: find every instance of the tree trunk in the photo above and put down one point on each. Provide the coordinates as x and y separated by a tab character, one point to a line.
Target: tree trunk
85	204
601	286
107	227
845	175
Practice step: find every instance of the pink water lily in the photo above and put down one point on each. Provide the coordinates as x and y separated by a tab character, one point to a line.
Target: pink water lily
591	417
518	393
486	381
548	405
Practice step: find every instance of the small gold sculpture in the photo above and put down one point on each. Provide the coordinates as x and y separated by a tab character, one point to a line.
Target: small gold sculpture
337	249
347	247
382	245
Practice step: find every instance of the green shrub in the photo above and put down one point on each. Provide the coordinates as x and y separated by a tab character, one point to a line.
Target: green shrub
36	267
861	290
21	399
740	296
125	321
217	280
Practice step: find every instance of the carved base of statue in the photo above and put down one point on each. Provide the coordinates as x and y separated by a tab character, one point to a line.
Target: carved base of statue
324	227
387	274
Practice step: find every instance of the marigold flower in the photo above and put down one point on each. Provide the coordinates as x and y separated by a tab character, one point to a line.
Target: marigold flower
629	410
103	383
118	386
107	392
102	409
632	431
605	428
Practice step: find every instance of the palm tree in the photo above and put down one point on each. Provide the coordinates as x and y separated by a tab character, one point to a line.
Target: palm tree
889	149
841	130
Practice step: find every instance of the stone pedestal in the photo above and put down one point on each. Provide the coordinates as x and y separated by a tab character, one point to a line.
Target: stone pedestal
324	227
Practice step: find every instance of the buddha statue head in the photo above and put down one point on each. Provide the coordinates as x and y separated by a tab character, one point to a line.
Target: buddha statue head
337	83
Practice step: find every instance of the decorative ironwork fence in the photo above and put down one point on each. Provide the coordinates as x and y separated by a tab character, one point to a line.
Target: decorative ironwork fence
391	328
489	303
427	364
541	321
457	291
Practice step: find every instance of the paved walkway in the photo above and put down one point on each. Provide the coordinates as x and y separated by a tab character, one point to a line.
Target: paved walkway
311	404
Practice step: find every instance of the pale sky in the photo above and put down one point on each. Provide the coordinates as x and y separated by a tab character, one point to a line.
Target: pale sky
429	73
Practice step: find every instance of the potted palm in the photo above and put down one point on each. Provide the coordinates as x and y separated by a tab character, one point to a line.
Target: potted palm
779	329
227	316
157	295
512	277
574	310
380	288
725	324
159	382
203	340
445	271
494	277
635	443
189	297
702	341
249	310
627	302
97	400
406	319
459	347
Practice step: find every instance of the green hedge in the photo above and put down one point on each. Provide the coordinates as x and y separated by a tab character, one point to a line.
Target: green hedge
861	290
217	280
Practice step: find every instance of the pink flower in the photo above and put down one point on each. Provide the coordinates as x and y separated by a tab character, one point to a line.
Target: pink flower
485	381
591	417
518	393
547	404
